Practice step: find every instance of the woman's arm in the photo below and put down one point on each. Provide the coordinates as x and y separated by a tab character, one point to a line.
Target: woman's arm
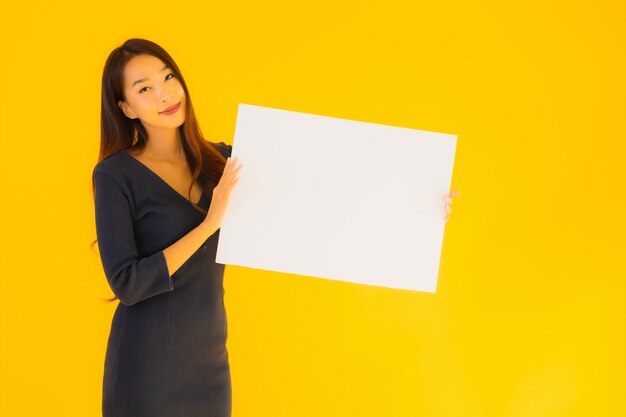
178	253
181	250
131	277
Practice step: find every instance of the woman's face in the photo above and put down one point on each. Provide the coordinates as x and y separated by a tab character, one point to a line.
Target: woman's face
149	89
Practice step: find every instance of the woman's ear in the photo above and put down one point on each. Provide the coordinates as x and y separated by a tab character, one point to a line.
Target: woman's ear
125	109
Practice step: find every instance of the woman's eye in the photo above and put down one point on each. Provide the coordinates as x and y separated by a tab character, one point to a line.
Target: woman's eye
165	79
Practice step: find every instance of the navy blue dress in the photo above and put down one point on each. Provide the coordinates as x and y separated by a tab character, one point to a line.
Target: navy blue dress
166	353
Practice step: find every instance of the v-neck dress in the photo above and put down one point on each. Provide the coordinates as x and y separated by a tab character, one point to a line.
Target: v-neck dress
166	353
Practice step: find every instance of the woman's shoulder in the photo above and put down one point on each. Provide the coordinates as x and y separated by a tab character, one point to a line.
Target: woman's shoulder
113	165
224	148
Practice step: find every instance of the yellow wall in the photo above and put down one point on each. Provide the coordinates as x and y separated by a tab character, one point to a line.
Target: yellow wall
529	318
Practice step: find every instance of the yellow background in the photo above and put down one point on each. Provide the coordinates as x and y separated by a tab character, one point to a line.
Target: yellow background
529	318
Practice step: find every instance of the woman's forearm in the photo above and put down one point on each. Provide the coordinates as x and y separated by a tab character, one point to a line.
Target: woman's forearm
178	253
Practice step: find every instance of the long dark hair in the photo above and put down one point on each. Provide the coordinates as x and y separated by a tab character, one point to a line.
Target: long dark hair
118	132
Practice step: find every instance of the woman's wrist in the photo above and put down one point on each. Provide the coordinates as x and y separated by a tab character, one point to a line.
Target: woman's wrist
208	228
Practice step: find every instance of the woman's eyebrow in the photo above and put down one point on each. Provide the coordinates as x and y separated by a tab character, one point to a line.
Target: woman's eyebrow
145	79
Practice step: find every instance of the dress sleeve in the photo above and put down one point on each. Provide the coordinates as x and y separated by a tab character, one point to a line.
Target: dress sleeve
224	148
131	277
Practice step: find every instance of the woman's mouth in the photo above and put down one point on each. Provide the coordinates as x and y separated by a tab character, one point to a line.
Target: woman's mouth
171	110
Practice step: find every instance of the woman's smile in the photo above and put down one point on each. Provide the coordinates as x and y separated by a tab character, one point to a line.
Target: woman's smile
171	110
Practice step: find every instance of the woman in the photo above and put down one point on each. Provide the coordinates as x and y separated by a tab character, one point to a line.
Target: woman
161	191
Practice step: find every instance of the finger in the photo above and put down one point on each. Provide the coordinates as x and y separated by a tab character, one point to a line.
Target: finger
237	163
447	217
233	175
453	193
232	167
235	172
448	208
448	200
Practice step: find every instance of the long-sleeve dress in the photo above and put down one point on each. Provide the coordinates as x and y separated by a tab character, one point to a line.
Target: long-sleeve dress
166	353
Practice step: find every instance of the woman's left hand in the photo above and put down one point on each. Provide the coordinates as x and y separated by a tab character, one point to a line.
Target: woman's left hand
448	199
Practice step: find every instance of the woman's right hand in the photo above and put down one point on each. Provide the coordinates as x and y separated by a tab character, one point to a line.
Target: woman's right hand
221	193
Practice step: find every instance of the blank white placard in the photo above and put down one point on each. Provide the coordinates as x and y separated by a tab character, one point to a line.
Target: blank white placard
338	199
